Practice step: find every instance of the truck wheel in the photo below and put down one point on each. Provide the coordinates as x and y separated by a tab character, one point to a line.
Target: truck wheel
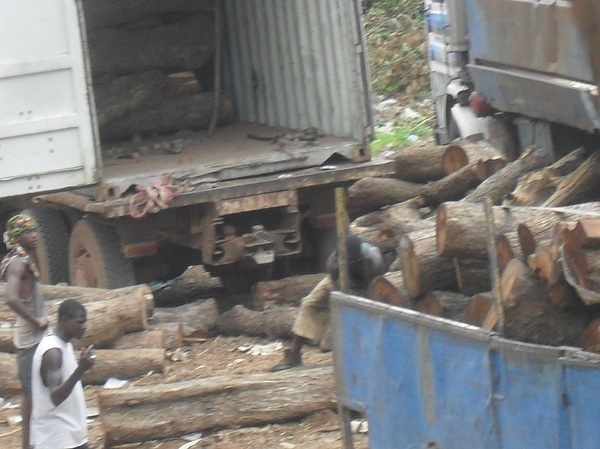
53	241
95	258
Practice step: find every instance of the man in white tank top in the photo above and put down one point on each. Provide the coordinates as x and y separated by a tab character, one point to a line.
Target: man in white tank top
58	420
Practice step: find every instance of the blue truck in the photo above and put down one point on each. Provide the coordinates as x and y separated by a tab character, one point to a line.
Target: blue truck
516	72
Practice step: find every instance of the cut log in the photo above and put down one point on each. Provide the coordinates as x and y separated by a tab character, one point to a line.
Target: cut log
397	214
461	226
168	116
423	269
199	318
487	168
504	250
504	181
193	284
390	288
451	187
590	340
477	151
579	186
530	316
10	385
176	47
275	322
444	304
114	13
138	413
287	291
369	194
536	187
586	233
422	164
479	308
144	339
124	364
173	333
472	276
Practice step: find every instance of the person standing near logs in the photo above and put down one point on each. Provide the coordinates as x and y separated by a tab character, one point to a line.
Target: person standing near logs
58	420
365	262
24	296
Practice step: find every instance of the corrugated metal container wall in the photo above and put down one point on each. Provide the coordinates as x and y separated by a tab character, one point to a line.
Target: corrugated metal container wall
299	64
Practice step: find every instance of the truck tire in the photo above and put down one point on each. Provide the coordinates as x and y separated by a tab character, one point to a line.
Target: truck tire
95	257
53	241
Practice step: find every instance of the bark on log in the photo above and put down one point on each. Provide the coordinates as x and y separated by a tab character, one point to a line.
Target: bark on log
472	276
536	187
504	250
369	194
114	13
451	187
579	186
10	385
586	233
194	283
489	167
396	214
590	340
199	318
124	364
287	291
390	288
275	322
530	316
174	47
504	181
444	304
168	116
138	413
461	226
145	339
478	151
423	269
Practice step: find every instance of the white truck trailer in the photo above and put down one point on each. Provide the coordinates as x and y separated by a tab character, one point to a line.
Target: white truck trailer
147	136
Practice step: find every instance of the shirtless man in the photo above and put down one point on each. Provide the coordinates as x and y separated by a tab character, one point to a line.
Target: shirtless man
23	295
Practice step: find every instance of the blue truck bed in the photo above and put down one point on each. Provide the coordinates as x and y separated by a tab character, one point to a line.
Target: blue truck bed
426	382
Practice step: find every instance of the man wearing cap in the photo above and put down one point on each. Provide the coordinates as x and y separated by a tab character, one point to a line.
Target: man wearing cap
23	294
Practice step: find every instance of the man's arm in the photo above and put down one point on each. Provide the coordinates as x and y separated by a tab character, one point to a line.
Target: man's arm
14	275
51	373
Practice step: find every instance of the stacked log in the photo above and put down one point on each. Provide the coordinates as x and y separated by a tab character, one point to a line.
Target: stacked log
152	66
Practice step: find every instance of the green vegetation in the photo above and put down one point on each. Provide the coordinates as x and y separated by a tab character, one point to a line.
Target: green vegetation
397	48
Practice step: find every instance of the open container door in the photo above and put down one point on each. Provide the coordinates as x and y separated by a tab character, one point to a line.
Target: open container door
47	127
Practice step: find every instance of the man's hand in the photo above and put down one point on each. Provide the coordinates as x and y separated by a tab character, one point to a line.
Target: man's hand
87	358
42	323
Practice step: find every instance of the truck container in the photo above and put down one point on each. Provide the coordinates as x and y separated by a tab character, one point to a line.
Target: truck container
517	72
147	136
427	382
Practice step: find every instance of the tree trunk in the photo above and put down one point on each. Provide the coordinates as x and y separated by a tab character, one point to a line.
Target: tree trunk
450	305
176	47
423	269
504	181
168	116
199	318
479	308
145	339
124	364
590	340
276	322
451	187
173	333
194	283
581	185
461	226
427	163
536	187
287	291
369	194
138	413
390	288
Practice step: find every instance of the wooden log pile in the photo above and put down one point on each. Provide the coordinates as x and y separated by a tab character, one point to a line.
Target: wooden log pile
152	66
546	241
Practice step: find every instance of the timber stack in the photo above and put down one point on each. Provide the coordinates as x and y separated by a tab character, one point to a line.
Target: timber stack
432	226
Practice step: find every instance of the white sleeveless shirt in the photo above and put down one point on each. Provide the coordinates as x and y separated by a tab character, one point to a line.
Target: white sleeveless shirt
63	426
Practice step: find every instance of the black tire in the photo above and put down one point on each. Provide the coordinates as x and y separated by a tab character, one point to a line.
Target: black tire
95	257
52	245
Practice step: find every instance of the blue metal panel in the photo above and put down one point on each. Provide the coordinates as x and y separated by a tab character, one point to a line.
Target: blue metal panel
428	382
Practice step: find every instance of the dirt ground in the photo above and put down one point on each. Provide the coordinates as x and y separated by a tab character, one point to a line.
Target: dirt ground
216	356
